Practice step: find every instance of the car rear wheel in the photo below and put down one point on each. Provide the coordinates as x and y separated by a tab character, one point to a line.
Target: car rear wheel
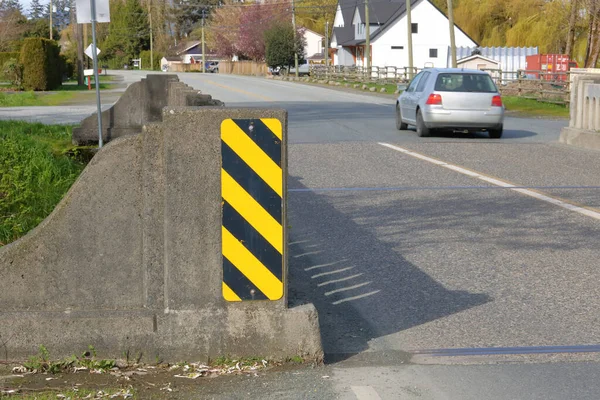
401	126
422	130
495	133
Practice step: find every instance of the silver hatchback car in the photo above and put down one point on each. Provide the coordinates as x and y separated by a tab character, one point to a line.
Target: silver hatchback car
451	99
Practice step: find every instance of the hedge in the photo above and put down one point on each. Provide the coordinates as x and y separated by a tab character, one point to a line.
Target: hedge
42	64
4	57
145	56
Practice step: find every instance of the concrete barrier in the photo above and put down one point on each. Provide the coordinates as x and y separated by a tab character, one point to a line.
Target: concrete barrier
142	103
130	260
584	121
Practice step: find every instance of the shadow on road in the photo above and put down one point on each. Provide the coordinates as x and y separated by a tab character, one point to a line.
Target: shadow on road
508	134
362	287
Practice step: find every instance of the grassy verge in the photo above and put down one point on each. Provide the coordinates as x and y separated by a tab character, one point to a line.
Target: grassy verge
25	99
38	164
529	107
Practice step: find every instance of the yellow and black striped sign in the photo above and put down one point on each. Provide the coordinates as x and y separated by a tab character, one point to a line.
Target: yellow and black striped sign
252	226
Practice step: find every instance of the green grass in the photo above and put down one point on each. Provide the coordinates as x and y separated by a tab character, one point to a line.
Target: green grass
24	99
77	88
531	107
38	165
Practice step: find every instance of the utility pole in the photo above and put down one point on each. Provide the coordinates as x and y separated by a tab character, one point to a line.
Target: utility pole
85	43
203	43
452	42
151	45
368	38
409	33
50	5
295	39
327	44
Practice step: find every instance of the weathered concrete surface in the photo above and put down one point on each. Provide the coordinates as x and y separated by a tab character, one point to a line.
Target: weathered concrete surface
580	137
584	120
130	260
142	103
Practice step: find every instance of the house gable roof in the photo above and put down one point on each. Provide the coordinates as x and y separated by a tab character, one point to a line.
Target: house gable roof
311	31
380	13
474	56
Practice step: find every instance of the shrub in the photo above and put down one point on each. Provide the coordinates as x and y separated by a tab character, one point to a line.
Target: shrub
4	57
13	71
41	64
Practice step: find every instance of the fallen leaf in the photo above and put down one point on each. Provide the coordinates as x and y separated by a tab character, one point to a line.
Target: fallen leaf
19	370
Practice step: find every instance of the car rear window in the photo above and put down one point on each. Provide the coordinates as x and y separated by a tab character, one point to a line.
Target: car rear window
465	82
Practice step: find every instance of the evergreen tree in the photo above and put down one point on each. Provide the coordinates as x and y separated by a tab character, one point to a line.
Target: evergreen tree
129	31
37	10
9	6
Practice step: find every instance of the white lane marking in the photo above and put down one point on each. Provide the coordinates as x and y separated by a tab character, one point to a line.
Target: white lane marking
365	393
497	182
308	254
337	271
339	280
325	265
360	296
347	288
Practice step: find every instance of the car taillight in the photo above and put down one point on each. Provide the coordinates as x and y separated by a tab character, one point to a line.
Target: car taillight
434	99
496	101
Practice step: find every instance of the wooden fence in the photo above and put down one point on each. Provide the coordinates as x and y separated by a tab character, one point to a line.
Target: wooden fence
543	86
180	67
243	68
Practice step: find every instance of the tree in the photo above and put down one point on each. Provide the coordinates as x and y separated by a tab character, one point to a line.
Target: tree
12	26
129	32
37	10
281	47
7	6
186	14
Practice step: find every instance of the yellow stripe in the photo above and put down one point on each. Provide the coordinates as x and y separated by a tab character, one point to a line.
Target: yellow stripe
274	125
229	294
251	211
251	267
252	155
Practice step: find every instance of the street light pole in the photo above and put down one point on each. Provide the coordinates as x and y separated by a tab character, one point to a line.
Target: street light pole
96	78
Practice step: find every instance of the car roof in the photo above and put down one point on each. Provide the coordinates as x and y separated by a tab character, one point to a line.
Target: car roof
456	70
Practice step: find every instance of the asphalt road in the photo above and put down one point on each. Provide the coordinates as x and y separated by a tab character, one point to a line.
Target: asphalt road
412	248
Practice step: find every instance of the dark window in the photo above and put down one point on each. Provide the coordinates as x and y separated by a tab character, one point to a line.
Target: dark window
422	82
432	53
479	83
397	47
414	28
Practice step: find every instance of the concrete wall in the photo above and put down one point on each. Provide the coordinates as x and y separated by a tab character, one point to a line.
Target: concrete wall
130	260
141	103
584	122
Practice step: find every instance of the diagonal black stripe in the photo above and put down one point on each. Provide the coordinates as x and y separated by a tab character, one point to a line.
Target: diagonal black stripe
239	283
262	136
251	182
252	240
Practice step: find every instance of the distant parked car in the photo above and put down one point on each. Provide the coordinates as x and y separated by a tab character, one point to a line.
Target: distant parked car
303	70
451	99
212	66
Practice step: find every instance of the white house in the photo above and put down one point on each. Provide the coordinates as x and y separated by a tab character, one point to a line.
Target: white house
430	34
314	45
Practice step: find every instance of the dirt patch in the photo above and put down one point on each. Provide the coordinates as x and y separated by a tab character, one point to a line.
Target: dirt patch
143	382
